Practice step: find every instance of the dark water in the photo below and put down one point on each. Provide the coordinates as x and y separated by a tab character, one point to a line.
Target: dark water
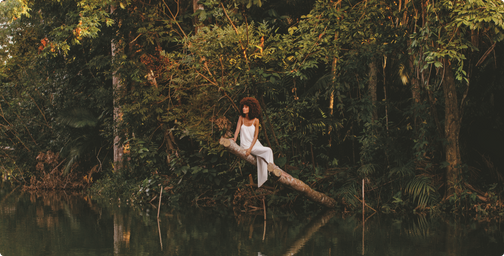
64	224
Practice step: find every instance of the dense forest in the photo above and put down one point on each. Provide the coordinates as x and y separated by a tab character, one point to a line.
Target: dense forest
125	98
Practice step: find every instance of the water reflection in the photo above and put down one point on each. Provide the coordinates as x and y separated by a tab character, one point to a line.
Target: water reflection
310	229
71	224
49	224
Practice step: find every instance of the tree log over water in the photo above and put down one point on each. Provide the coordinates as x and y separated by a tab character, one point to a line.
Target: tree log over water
281	176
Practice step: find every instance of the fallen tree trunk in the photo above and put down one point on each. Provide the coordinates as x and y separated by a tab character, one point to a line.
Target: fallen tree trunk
281	176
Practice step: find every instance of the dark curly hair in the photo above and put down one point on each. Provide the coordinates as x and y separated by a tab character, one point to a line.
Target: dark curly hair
254	107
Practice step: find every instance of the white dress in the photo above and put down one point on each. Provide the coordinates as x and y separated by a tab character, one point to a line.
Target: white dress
263	154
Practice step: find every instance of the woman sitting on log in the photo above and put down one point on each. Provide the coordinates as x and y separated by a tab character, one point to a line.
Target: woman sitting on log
248	124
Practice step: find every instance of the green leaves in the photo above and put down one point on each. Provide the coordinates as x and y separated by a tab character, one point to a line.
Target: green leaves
309	67
78	118
420	189
10	10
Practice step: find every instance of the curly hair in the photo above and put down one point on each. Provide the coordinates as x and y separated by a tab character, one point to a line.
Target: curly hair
254	107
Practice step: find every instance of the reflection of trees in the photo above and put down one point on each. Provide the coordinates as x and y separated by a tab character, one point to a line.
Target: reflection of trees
243	236
49	223
69	224
452	239
122	233
5	193
419	226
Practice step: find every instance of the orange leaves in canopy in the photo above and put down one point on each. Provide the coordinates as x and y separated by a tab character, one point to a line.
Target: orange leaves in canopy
77	31
44	42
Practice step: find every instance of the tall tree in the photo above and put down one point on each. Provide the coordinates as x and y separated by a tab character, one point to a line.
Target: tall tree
450	27
117	89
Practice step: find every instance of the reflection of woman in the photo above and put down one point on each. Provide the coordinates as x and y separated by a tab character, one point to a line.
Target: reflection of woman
248	124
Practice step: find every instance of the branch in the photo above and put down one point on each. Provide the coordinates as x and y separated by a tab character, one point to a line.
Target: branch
214	83
174	18
232	24
237	32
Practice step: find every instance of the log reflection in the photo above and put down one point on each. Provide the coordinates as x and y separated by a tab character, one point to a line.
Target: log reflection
310	229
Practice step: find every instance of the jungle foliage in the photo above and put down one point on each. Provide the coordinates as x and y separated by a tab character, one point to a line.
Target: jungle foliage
401	94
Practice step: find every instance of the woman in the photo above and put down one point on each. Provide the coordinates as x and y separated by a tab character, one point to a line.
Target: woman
248	124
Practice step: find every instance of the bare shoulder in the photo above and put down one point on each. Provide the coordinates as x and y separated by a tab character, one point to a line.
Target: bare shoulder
256	122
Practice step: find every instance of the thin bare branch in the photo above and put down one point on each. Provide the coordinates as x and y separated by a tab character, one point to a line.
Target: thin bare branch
174	17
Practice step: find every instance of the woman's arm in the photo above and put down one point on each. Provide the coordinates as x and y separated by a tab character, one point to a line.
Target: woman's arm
256	134
238	127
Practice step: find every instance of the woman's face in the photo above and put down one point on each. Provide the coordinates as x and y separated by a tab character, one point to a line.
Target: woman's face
245	109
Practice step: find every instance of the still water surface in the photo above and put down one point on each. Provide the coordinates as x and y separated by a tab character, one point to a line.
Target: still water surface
62	224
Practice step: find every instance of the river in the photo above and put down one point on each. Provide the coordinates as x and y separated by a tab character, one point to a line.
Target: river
71	224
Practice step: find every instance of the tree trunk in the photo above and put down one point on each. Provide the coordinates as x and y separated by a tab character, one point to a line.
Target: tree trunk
117	87
280	176
197	23
331	100
452	131
170	143
372	88
415	84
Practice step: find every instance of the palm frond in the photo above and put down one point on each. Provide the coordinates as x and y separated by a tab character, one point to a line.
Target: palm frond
321	85
78	118
366	170
75	153
403	170
420	189
81	142
349	193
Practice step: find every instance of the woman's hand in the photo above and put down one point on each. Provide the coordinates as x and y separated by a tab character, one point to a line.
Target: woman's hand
234	139
238	126
248	151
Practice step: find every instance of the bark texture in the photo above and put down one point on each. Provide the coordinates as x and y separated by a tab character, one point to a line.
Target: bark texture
452	130
373	87
117	87
281	176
